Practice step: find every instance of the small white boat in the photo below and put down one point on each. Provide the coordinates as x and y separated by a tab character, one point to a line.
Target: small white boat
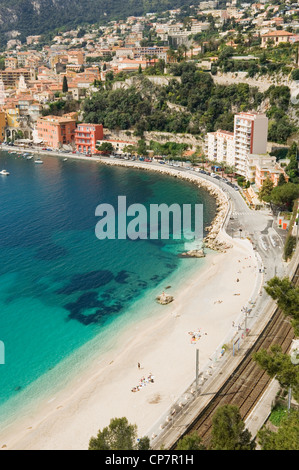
4	172
29	158
38	160
65	159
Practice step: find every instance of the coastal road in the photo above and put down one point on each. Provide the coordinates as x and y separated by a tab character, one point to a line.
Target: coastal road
256	225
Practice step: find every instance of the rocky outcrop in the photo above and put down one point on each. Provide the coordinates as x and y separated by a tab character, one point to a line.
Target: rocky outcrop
193	254
164	299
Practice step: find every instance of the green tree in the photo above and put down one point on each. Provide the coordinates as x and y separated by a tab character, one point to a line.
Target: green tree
266	190
289	247
279	365
287	298
228	430
285	195
65	87
285	438
292	168
190	442
281	180
142	147
106	147
119	435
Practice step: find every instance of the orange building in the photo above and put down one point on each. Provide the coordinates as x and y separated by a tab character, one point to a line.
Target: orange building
2	125
87	136
56	131
262	167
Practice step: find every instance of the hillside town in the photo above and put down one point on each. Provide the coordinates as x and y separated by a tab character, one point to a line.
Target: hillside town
44	82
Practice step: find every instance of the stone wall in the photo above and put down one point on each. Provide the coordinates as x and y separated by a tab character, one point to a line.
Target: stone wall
161	137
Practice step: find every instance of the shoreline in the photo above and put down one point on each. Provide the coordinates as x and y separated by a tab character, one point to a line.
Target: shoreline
78	411
222	202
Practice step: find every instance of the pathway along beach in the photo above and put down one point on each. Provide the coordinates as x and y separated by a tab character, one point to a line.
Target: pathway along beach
210	302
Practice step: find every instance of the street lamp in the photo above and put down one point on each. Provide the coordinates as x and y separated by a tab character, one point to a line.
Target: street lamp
197	368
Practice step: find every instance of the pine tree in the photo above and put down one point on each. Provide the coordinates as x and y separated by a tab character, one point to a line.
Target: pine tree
229	432
119	435
266	190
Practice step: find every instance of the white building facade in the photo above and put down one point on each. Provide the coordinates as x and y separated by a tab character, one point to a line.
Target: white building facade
220	147
251	136
233	148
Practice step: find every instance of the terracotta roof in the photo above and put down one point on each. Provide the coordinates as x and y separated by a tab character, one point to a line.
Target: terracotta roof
277	33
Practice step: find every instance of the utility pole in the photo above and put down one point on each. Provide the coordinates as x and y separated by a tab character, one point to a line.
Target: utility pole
197	368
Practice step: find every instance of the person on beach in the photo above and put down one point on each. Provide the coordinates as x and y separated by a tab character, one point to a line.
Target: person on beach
138	365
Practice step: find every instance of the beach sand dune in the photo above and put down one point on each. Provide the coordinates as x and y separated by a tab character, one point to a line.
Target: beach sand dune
210	302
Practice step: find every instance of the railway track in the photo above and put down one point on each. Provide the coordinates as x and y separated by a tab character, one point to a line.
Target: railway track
248	382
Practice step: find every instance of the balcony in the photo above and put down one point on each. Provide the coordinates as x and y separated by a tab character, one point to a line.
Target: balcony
84	131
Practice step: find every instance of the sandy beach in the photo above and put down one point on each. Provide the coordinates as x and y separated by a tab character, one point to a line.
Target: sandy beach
208	303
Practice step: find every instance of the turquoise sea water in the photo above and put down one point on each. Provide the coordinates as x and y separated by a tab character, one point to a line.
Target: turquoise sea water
62	291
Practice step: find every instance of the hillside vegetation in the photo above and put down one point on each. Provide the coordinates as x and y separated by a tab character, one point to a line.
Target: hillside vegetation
204	105
42	16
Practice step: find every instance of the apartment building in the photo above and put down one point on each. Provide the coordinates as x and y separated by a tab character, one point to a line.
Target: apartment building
11	63
86	137
250	136
220	147
10	77
56	131
261	167
76	57
198	27
156	51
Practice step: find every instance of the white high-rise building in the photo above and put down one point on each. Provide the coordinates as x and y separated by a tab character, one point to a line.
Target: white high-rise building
233	148
250	135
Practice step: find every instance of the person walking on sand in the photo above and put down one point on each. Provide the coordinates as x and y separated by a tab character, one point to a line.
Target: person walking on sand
138	365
